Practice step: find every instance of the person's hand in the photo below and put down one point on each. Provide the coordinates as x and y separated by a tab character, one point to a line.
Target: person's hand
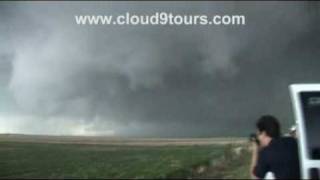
254	158
254	146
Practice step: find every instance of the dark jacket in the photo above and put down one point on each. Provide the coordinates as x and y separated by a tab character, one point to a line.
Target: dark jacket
281	158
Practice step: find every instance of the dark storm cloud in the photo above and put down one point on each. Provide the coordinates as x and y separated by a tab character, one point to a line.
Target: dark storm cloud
161	81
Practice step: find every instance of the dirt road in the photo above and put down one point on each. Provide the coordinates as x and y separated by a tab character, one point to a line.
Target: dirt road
119	141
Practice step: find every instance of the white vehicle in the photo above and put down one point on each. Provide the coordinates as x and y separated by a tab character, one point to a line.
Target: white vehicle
306	105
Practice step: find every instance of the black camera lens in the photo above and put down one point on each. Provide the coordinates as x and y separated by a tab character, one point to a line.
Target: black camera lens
253	138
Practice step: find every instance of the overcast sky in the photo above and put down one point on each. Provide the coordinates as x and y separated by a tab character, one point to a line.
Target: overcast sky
57	77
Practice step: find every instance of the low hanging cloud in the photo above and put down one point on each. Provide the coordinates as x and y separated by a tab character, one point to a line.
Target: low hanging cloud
156	80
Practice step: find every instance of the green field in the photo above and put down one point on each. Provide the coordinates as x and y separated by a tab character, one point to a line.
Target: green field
48	160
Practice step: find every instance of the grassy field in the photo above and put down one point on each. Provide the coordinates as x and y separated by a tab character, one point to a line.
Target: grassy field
54	160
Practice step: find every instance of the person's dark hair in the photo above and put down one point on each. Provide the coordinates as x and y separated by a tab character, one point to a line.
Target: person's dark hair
270	125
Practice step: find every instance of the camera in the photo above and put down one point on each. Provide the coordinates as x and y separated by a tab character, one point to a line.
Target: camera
253	138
